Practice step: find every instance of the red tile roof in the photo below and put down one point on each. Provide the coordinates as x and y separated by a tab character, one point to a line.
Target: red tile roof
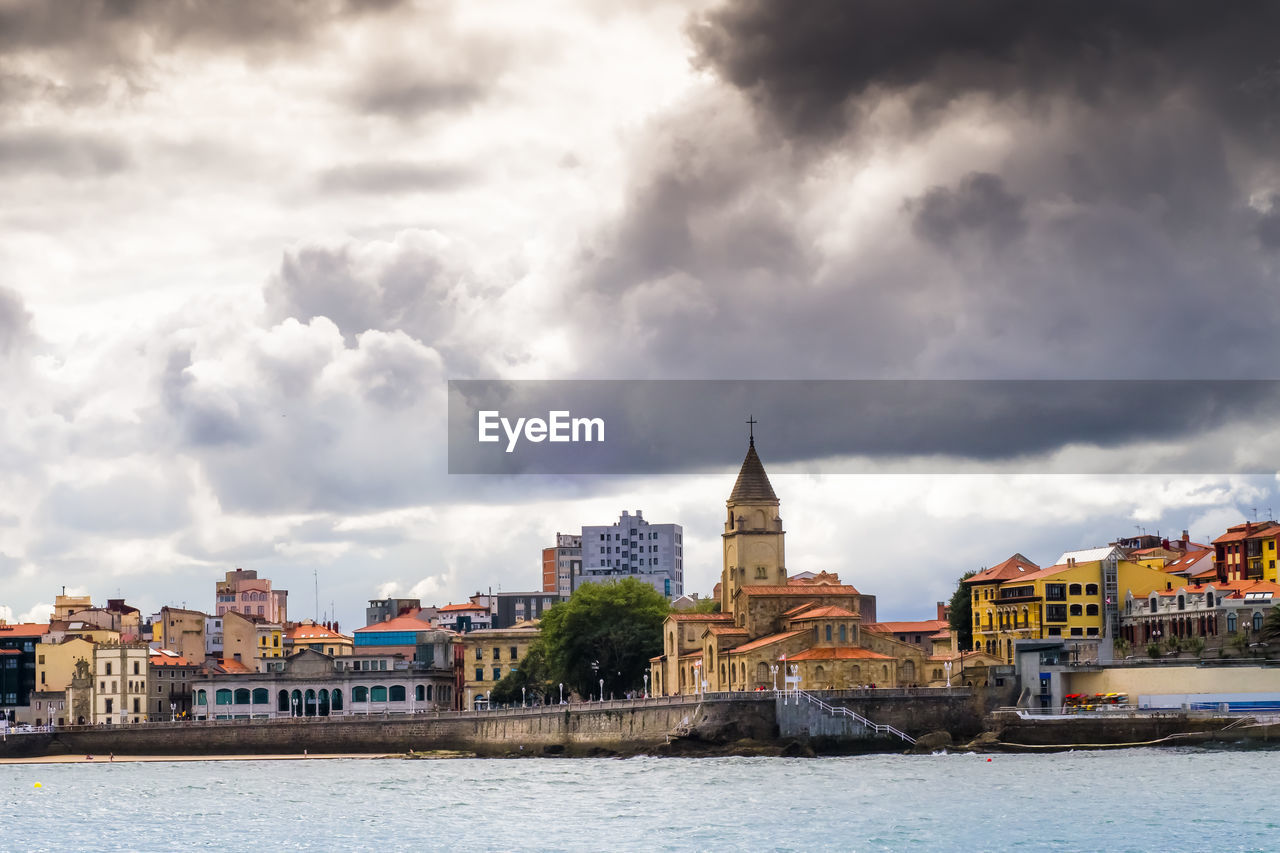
1014	567
170	659
1249	530
921	627
828	612
399	623
24	629
766	641
838	653
701	617
722	630
315	632
466	605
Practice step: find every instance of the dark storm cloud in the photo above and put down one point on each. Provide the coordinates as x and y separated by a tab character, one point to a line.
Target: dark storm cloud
391	177
979	204
24	151
1268	227
808	65
203	420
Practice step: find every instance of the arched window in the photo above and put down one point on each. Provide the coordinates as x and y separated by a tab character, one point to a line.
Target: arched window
222	697
1208	599
1074	589
722	675
1257	620
819	675
844	633
671	643
359	694
429	692
828	633
762	673
1231	622
419	693
335	700
242	696
1091	589
202	698
1151	604
261	696
1091	610
907	672
378	694
1077	610
1182	602
282	700
397	693
323	704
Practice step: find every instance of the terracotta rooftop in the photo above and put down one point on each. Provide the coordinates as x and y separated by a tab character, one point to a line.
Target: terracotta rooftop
838	653
466	605
164	657
399	623
767	641
828	612
24	629
1014	567
752	485
723	630
929	625
314	632
701	617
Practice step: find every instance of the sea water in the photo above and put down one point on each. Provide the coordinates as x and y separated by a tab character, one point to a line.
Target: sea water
1134	800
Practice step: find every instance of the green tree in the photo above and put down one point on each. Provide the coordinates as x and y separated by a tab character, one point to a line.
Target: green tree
1271	626
1196	646
530	673
960	616
707	605
616	626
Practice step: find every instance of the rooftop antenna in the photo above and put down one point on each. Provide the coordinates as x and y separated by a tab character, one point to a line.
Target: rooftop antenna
1255	513
315	575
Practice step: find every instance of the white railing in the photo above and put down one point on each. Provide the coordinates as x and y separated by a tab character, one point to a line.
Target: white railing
841	711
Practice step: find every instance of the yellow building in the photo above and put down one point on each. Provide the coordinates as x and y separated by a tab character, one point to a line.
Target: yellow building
772	625
490	654
56	662
180	630
251	639
309	634
1079	598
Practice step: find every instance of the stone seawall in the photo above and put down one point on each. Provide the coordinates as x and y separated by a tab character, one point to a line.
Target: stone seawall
621	727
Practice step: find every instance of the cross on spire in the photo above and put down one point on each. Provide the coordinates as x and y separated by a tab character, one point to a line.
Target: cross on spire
751	426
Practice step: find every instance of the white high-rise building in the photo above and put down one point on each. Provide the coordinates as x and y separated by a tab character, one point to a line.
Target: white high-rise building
653	553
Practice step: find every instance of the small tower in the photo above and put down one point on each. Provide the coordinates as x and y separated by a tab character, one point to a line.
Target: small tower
753	535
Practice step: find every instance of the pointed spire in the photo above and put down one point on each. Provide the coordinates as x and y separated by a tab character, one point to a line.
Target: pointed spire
752	485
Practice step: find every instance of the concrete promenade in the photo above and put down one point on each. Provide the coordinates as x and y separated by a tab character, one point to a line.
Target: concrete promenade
622	727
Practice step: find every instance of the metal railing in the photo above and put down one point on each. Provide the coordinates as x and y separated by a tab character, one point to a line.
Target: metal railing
841	711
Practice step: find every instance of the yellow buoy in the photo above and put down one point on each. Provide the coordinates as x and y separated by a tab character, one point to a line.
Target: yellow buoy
37	784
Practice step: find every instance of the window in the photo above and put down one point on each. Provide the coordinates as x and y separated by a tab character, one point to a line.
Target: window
1077	610
1208	599
844	633
260	696
828	633
108	667
378	694
1091	610
479	653
1151	604
497	673
1055	613
1231	622
222	697
1091	589
479	673
135	668
497	653
1182	602
397	693
359	694
1077	632
1055	592
1257	621
1074	589
514	656
419	693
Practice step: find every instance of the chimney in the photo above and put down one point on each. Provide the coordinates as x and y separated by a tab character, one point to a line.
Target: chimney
1164	543
942	610
1186	537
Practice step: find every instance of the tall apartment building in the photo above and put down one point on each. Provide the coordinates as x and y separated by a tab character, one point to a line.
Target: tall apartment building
653	553
560	564
383	609
246	593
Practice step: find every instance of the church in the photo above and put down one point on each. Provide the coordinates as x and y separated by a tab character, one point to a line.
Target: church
770	622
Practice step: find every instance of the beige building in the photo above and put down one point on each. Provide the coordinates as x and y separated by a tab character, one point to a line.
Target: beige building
771	624
120	683
56	662
181	631
491	654
251	639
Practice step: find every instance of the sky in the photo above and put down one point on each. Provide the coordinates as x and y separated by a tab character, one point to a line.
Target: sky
245	245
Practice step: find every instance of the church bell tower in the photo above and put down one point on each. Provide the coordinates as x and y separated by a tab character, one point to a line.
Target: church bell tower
753	535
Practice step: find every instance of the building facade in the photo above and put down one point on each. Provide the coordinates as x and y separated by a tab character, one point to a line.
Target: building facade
181	631
632	547
512	608
120	672
561	564
245	593
490	655
18	643
170	681
1247	551
313	684
382	609
313	635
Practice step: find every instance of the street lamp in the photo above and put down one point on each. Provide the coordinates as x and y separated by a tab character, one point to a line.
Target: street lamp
522	697
562	693
646	685
773	670
602	690
173	713
947	666
295	706
595	670
697	676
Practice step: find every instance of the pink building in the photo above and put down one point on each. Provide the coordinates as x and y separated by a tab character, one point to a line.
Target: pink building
246	593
